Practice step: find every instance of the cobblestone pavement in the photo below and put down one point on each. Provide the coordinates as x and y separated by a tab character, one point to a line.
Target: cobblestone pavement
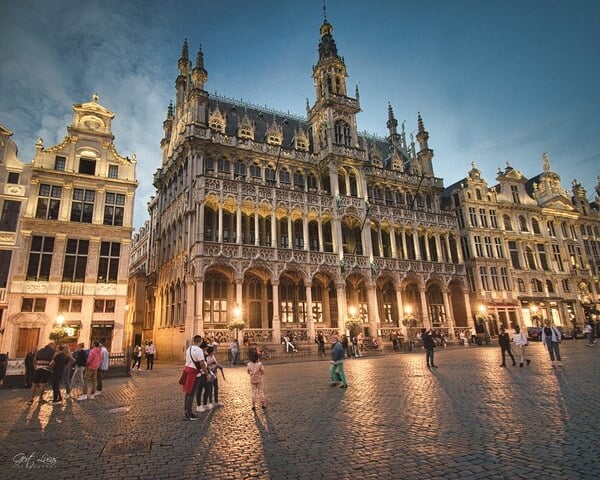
468	419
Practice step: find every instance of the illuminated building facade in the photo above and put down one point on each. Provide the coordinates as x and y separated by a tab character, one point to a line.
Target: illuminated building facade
302	223
68	278
531	248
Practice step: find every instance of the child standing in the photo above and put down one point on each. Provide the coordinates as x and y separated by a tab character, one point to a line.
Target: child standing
256	370
213	366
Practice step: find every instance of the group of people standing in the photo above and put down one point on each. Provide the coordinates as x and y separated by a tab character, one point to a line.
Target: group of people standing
199	378
58	366
150	351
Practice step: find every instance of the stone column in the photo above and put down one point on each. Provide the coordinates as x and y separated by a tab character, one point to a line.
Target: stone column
220	225
320	230
404	252
310	321
199	308
400	303
424	311
393	242
415	240
342	307
238	226
256	230
305	233
427	250
449	316
274	229
470	321
276	319
290	232
374	321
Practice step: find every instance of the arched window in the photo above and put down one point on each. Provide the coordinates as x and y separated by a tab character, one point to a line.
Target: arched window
224	165
535	226
530	259
507	223
550	286
311	181
255	170
215	298
299	180
284	176
523	224
270	176
343	133
520	285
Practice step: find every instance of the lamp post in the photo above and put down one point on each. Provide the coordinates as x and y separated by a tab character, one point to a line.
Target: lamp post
353	323
237	322
58	330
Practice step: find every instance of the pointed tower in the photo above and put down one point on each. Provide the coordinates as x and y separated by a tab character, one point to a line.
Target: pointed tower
425	154
167	128
198	97
181	82
392	125
333	116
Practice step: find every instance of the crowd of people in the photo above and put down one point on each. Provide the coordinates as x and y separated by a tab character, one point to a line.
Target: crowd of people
82	370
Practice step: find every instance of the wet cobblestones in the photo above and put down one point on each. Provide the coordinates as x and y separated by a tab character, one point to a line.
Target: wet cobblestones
469	419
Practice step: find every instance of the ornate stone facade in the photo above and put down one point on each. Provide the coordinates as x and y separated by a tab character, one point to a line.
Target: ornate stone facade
302	223
74	237
531	249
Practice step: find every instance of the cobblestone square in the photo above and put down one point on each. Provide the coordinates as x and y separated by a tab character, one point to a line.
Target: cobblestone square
468	419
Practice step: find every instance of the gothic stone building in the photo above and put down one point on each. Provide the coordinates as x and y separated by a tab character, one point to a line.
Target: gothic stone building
74	233
295	225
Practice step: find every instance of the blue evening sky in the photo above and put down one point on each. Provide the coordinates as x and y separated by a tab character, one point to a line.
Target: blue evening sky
495	81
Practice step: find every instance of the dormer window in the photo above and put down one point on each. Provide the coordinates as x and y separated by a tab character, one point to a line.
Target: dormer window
217	126
60	163
113	171
87	166
515	193
217	121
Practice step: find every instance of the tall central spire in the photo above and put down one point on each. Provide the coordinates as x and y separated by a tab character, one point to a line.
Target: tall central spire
327	47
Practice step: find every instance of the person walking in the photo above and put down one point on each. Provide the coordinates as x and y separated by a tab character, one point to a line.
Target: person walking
336	370
504	341
520	340
102	369
150	352
588	333
234	351
194	368
29	368
42	371
137	357
344	343
256	371
551	338
80	357
94	359
429	346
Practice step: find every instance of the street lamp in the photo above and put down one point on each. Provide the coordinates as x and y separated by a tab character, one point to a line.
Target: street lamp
58	331
237	322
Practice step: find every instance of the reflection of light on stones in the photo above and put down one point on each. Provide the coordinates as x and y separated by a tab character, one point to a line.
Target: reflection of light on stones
127	447
119	409
44	416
